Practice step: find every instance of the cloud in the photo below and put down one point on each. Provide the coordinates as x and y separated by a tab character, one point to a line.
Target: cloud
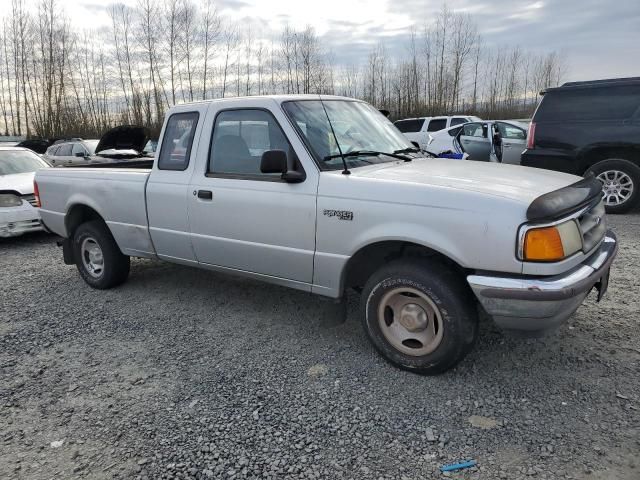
599	38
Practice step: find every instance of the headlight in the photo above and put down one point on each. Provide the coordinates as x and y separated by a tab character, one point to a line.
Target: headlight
10	200
550	244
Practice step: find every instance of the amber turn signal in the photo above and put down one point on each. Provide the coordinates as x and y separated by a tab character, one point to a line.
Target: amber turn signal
543	245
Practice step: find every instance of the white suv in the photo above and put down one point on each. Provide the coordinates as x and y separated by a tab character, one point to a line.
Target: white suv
417	129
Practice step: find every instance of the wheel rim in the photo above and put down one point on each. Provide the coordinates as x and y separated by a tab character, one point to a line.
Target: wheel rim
617	187
410	321
92	257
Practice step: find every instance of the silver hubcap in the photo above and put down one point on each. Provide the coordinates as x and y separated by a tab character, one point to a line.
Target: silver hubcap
92	257
617	187
410	321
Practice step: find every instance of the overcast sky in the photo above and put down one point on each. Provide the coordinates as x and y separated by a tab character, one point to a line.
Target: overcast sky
600	38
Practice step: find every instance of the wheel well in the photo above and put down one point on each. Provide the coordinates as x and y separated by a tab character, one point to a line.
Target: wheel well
77	215
369	259
596	155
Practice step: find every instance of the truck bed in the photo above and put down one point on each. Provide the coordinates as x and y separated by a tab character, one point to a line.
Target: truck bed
117	194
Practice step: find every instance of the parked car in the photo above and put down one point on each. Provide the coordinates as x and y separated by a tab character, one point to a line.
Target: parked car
70	152
417	129
478	140
591	128
18	212
266	188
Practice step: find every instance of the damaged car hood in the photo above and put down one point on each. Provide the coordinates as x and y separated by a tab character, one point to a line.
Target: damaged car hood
123	141
21	183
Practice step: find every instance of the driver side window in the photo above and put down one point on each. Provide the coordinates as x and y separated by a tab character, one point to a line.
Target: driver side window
240	137
78	148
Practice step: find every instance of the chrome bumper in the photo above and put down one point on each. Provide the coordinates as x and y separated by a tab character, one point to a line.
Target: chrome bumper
543	303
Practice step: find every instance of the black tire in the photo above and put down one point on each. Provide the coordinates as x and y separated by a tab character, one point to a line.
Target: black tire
446	290
628	168
115	265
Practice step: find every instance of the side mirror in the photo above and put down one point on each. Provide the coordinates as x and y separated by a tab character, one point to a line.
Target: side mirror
80	154
273	161
276	161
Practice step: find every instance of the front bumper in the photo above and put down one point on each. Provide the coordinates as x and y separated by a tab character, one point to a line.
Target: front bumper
543	303
15	221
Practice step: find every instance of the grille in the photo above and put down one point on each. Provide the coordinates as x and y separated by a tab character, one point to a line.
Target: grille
593	226
30	198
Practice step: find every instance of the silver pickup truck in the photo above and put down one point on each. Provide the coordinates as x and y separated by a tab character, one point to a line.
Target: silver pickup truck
323	194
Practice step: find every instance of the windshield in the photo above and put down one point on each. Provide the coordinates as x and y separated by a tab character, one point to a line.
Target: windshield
91	145
19	161
357	126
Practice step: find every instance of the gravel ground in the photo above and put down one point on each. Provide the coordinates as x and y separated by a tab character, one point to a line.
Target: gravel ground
182	373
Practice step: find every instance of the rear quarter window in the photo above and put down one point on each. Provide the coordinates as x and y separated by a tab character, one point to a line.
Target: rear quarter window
409	126
584	104
437	124
178	141
64	150
454	131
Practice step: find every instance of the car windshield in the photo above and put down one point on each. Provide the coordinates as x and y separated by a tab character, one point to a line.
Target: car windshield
91	145
357	126
19	161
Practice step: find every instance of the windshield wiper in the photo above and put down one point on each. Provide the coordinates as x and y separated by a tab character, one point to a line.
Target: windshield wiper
364	153
408	150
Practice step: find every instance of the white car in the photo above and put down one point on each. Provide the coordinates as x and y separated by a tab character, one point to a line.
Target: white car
417	129
18	213
475	139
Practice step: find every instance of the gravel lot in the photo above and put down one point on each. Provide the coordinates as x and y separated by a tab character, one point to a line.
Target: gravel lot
182	373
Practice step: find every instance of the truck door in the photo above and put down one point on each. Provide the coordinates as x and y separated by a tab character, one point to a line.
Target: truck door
475	141
245	220
168	187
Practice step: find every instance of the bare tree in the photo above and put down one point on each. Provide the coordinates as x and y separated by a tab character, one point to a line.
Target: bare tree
58	80
211	29
230	43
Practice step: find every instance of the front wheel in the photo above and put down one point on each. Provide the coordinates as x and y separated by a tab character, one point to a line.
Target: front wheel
419	315
620	180
98	258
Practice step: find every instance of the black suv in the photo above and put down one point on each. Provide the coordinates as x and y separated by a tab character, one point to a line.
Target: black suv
591	128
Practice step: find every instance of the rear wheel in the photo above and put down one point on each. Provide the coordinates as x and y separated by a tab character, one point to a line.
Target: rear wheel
620	180
98	258
419	315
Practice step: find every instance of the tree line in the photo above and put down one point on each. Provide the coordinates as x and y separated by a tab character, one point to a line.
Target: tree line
56	80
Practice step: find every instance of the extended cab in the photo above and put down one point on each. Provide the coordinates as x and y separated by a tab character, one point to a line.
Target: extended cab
323	194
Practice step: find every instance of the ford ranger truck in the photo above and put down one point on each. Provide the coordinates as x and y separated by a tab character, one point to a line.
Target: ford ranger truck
323	194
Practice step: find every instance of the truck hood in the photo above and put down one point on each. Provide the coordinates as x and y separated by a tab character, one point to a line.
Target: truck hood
17	182
123	140
501	180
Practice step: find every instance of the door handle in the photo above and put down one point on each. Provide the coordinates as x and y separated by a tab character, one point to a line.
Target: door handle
205	194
